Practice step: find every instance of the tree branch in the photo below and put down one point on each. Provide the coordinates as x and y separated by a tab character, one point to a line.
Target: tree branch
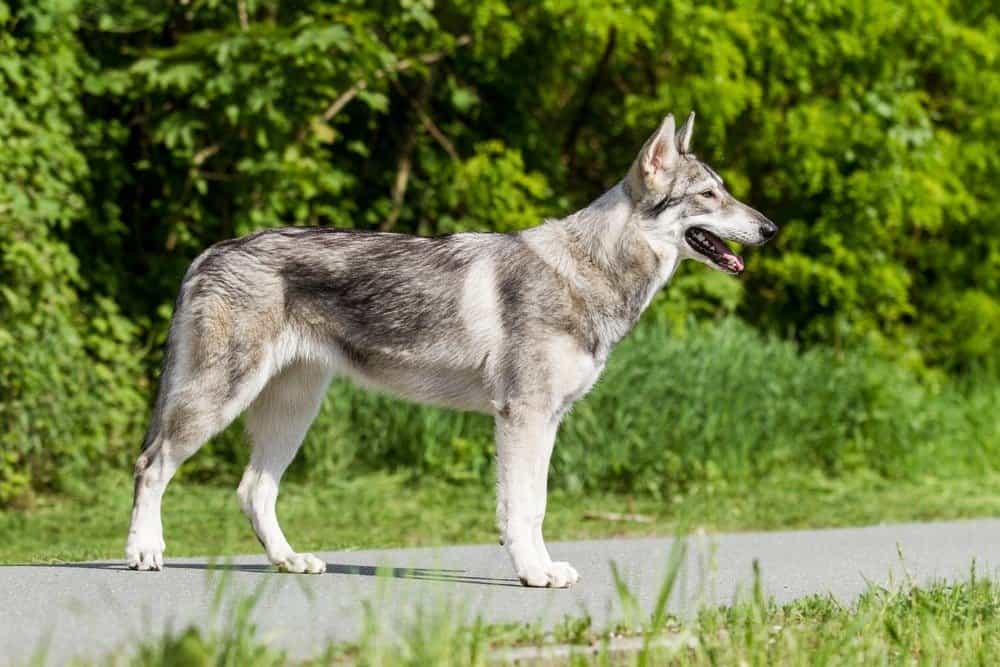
436	132
400	184
429	125
241	8
406	156
345	97
205	153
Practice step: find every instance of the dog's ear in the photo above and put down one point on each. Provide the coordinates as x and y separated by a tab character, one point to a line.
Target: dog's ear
684	135
658	156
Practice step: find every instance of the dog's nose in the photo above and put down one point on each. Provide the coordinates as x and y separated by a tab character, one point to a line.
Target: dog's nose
768	229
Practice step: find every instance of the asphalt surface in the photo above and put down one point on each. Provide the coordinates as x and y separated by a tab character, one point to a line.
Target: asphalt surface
88	609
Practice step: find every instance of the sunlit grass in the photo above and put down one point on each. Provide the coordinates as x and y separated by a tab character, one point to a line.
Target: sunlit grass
377	510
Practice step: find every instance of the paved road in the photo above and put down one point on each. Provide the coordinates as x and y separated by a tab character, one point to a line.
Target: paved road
84	609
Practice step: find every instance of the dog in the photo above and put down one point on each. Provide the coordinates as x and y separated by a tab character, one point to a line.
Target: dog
517	326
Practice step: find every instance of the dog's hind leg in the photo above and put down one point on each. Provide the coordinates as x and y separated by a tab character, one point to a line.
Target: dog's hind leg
277	422
197	401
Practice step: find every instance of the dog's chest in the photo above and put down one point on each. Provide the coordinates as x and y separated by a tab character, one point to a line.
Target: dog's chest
575	374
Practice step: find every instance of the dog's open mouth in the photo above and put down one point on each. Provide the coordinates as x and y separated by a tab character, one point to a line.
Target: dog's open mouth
714	248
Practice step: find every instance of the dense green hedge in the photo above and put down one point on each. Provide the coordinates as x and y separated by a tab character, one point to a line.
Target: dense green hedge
135	132
73	382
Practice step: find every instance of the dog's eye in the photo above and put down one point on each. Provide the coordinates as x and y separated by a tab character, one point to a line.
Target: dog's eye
707	193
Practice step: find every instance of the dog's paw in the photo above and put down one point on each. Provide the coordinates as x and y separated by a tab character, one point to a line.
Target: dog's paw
301	564
556	575
144	555
563	571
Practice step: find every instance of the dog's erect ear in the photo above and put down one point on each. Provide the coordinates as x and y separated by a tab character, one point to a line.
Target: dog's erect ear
658	155
684	135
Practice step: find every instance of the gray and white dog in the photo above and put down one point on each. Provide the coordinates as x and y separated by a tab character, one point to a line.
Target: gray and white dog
517	326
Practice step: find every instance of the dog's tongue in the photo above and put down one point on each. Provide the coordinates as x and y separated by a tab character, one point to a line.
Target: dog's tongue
727	258
732	261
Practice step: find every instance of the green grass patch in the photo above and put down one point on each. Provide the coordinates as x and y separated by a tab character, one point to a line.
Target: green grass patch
376	510
953	624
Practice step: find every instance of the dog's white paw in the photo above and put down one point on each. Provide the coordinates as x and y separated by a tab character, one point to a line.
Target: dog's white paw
144	554
563	571
301	564
556	575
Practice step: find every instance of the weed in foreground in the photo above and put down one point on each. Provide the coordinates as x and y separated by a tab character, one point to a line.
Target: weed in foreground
942	623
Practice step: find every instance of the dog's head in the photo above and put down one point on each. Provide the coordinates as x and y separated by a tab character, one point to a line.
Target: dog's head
679	201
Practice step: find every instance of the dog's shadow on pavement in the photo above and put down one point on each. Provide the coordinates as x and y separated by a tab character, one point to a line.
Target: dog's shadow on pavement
425	574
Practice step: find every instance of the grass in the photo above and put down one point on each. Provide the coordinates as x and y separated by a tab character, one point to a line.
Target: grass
955	624
377	510
944	623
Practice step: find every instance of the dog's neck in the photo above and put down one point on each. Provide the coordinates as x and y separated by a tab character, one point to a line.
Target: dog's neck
601	251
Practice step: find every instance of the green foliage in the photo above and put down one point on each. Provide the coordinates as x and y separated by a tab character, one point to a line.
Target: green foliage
866	130
492	191
134	134
724	403
71	381
886	176
942	623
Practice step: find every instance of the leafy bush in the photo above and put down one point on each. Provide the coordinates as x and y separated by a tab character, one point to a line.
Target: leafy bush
71	380
867	130
134	134
723	402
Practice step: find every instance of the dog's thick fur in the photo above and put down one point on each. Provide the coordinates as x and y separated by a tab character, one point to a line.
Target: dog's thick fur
517	326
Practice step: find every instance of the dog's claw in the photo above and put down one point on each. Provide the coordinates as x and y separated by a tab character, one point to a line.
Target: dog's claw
565	572
144	559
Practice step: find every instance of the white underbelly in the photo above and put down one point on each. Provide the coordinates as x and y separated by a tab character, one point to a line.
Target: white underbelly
460	389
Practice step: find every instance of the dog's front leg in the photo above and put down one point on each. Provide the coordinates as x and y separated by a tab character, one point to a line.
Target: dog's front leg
524	445
558	570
